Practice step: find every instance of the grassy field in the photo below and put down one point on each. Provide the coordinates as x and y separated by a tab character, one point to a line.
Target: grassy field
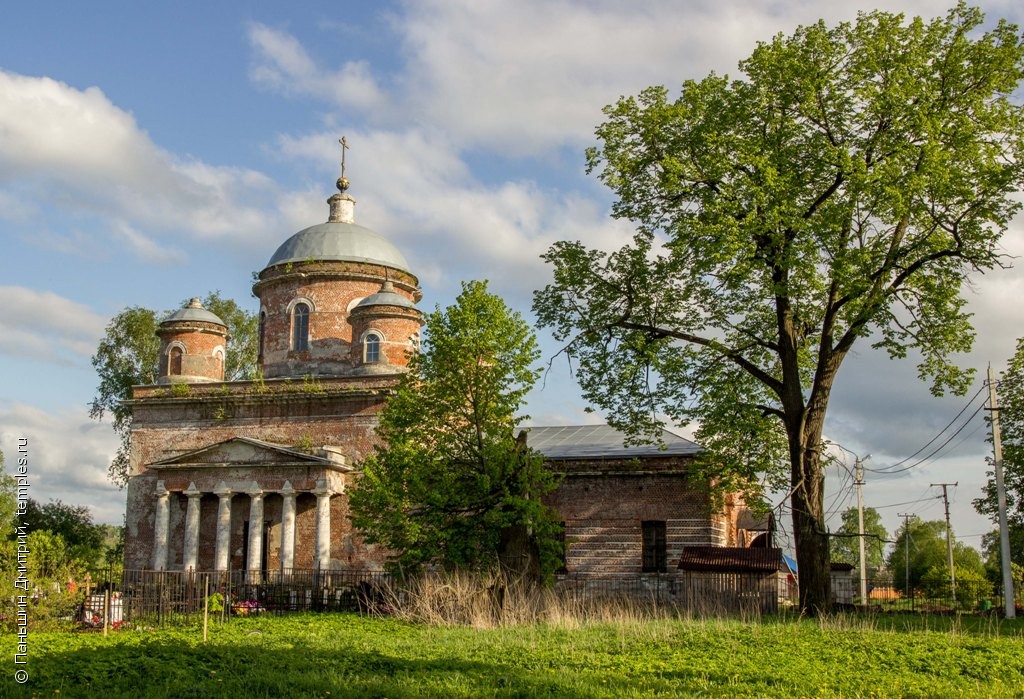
341	655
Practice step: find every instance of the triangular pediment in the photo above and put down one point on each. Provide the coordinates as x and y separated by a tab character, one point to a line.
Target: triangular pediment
245	451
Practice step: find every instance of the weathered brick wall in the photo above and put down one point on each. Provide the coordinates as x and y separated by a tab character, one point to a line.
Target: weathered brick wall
333	288
139	521
602	502
395	326
603	508
165	426
199	341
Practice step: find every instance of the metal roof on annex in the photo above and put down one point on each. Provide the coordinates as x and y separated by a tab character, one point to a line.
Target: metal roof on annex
722	559
602	442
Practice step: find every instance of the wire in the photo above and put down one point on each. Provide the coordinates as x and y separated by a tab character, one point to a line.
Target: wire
909	502
890	471
844	492
933	439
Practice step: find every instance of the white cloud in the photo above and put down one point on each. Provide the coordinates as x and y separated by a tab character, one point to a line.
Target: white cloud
416	191
43	325
146	248
74	148
520	78
282	64
68	456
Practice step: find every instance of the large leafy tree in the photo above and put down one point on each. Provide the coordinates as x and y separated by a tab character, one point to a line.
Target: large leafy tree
129	355
927	549
846	539
847	186
991	547
451	485
73	523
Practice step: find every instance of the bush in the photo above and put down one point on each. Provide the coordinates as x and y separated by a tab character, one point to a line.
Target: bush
971	585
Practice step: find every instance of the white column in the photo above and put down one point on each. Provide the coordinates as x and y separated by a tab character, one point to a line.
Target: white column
255	531
190	561
161	528
223	527
323	524
288	527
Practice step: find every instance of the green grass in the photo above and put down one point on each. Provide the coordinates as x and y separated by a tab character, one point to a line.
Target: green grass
349	656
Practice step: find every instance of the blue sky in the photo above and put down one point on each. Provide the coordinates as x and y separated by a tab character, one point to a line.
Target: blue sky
153	152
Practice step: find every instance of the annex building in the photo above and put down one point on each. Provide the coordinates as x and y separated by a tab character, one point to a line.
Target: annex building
253	475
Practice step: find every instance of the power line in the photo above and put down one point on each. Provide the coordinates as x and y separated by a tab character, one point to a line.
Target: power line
909	502
933	439
890	471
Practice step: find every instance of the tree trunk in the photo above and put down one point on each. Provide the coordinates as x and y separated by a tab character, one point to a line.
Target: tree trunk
518	554
812	551
814	566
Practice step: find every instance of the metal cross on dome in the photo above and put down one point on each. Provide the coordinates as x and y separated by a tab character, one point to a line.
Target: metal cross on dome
343	181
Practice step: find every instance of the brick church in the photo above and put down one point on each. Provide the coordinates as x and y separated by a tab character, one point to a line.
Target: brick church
253	475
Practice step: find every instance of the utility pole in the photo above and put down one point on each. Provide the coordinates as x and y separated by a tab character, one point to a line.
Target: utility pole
906	539
949	536
1009	601
860	518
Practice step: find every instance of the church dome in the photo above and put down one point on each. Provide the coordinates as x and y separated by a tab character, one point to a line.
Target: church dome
387	296
193	312
339	241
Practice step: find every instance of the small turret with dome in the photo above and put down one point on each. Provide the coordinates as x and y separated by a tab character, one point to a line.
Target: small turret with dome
386	326
316	279
192	345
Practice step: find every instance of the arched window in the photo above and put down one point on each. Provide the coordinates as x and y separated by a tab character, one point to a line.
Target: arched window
259	338
371	348
300	327
174	362
218	357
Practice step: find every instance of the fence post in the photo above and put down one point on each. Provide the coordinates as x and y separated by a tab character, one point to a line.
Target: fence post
106	610
206	606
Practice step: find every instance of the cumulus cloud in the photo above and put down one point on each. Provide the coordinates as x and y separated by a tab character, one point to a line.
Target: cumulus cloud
68	455
417	191
43	325
75	146
518	79
146	248
281	63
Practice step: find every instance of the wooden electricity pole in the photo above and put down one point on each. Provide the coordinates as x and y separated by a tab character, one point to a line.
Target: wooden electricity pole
906	540
860	519
1009	601
949	536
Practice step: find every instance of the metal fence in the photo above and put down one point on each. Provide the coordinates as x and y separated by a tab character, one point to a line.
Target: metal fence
700	593
150	598
170	597
886	593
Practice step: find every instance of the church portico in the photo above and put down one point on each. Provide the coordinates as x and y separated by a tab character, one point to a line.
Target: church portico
238	520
